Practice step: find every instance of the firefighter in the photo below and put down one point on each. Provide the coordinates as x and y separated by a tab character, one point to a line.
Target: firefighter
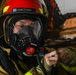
24	27
62	56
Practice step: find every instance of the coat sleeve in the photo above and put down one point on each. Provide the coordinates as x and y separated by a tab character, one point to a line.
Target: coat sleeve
2	71
70	66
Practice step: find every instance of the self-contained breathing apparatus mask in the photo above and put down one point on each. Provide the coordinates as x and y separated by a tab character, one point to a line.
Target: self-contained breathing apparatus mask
28	37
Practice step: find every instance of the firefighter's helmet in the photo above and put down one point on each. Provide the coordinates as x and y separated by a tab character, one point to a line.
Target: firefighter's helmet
22	9
13	7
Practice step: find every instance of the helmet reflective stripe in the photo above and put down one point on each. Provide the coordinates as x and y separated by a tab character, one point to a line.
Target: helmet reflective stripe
28	4
6	9
28	73
41	10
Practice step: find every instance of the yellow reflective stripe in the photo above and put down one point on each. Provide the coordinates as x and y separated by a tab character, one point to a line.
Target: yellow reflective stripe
69	69
28	73
5	8
41	10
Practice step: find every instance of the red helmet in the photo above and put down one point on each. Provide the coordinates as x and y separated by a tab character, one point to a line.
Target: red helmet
20	5
32	7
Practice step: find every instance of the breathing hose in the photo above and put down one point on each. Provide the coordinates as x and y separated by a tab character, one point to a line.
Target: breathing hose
41	66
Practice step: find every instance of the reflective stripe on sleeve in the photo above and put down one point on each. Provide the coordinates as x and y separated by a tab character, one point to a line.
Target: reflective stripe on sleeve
28	73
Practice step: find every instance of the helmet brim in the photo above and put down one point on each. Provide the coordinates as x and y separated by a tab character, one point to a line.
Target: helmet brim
41	16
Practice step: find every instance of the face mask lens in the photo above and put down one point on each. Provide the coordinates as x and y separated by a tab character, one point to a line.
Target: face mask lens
35	27
23	31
